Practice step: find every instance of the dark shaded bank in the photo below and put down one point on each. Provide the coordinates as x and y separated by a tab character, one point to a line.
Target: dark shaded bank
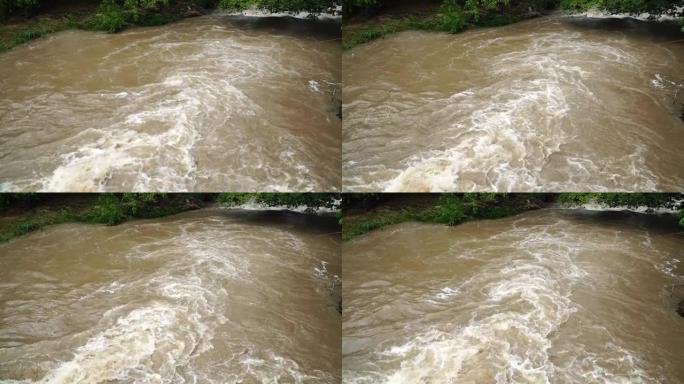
22	213
372	211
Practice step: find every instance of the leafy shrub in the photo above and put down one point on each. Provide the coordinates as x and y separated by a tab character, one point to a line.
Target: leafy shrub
234	199
452	19
108	210
110	17
450	210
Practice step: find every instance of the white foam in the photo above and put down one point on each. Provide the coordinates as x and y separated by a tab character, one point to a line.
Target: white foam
255	206
509	338
509	134
674	14
502	137
166	130
674	208
127	147
334	14
124	350
314	86
447	292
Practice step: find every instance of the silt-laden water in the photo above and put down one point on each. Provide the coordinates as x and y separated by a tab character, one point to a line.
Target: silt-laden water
556	103
551	296
202	297
212	103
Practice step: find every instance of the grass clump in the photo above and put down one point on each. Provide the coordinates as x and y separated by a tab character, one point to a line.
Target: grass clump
452	19
31	224
108	210
33	32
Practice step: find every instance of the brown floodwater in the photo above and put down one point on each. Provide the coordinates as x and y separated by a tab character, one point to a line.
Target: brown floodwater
209	296
556	103
212	103
551	296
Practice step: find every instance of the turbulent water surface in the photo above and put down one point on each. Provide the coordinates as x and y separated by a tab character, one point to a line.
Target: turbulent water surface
202	297
205	104
544	297
555	103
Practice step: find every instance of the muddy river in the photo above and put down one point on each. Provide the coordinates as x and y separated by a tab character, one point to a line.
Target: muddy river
212	103
556	103
209	296
551	296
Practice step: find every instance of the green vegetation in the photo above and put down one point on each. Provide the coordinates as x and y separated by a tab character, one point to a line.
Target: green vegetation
451	16
40	17
366	213
452	23
110	17
39	210
25	20
22	213
112	209
450	209
31	32
454	16
25	226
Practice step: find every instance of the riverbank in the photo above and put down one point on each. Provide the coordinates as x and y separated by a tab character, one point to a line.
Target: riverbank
379	21
363	216
22	213
364	213
26	213
428	16
88	15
